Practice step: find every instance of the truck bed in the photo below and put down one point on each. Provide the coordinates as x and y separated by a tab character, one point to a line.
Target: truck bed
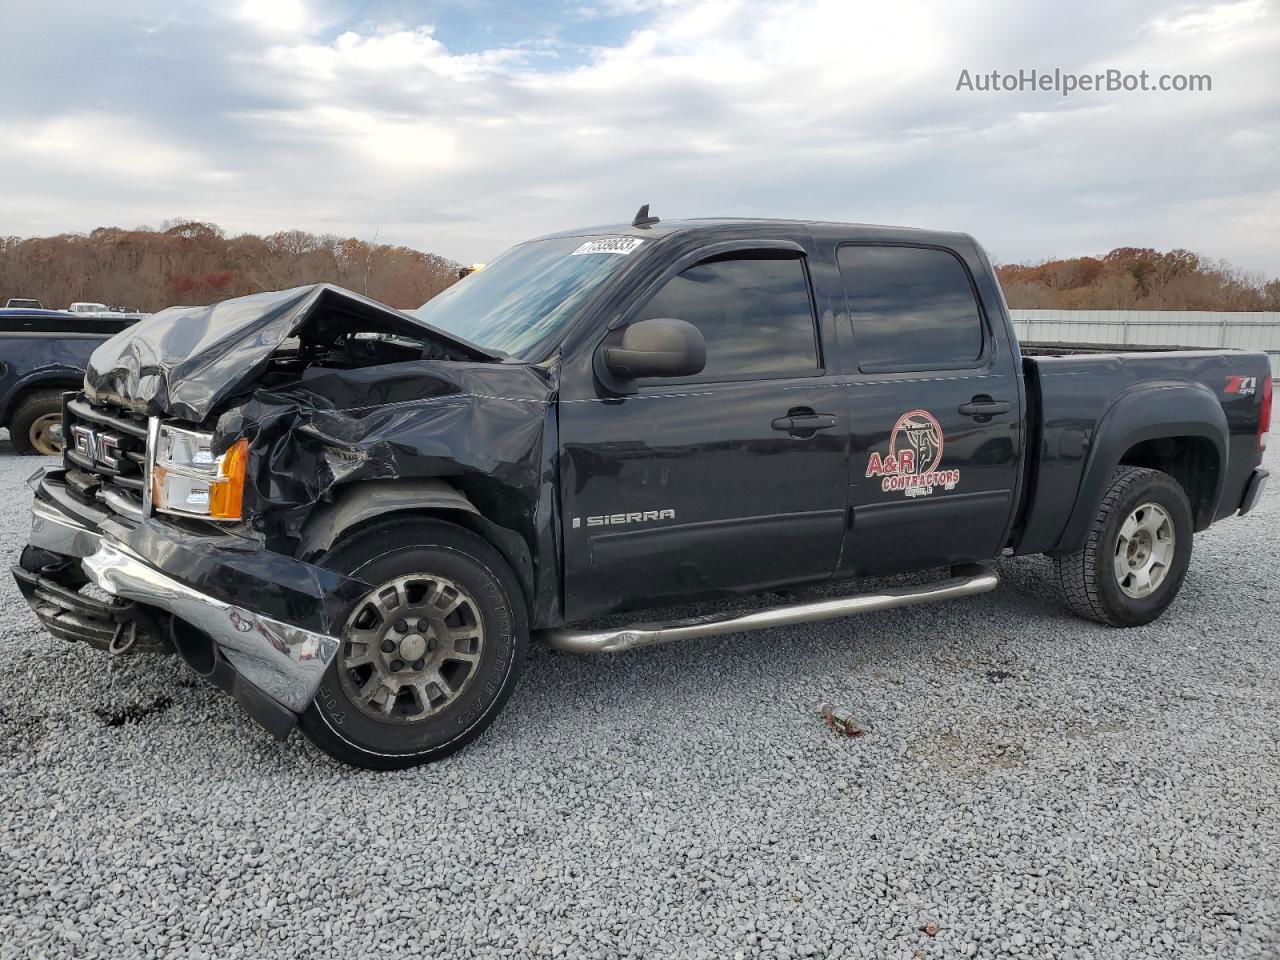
1077	396
1051	348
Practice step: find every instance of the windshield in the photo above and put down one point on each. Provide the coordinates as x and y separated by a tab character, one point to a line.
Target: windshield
521	302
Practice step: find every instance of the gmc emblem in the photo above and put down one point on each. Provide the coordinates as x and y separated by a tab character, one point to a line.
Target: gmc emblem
100	448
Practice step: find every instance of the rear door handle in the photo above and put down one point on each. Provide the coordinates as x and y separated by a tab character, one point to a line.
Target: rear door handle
803	422
983	406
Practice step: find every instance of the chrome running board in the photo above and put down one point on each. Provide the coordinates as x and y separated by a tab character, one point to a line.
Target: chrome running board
966	580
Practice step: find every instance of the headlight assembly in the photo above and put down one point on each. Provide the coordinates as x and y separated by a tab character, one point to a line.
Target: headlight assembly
187	479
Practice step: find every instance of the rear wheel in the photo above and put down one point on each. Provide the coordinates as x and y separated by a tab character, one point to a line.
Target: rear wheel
1136	553
32	423
428	656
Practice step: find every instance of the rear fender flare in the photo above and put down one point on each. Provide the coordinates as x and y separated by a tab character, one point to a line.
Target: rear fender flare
358	503
50	378
1148	411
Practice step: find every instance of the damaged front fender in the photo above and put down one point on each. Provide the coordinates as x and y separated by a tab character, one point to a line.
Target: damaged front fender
481	427
337	395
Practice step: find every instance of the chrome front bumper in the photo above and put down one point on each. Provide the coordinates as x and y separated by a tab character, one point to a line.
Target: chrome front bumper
283	660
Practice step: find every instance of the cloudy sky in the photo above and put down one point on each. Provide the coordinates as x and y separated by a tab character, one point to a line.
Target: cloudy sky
461	127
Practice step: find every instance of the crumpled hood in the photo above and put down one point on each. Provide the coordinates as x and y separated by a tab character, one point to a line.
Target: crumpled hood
186	361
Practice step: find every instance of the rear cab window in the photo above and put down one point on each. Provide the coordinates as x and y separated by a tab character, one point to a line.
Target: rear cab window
911	308
753	308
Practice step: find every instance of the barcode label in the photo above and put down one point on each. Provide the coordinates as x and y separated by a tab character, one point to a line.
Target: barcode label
619	245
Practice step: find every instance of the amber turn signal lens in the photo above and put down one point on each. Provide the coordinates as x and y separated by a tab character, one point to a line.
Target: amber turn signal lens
226	496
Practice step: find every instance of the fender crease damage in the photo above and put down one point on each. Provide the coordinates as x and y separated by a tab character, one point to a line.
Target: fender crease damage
332	388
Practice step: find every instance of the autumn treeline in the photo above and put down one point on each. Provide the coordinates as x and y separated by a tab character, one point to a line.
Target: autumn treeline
1132	278
191	263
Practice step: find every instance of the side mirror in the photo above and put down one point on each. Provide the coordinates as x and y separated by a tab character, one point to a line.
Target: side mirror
661	347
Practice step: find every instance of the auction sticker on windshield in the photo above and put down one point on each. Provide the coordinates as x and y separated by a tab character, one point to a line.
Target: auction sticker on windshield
616	245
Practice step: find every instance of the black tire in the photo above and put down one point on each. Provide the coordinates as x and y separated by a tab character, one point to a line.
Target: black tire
337	724
1089	578
30	417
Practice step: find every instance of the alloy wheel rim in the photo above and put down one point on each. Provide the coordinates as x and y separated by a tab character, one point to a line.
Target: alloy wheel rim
42	436
410	648
1144	551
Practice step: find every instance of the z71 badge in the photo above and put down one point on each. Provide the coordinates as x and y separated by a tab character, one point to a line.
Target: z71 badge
1244	386
915	452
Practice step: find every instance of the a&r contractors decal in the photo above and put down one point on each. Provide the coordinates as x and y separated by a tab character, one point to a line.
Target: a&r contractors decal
915	450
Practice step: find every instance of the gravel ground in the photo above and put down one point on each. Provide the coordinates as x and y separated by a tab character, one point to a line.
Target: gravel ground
1029	785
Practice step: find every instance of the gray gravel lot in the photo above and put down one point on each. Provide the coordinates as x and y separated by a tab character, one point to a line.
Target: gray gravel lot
1032	784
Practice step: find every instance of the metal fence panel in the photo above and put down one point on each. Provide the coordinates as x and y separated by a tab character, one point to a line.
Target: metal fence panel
1178	328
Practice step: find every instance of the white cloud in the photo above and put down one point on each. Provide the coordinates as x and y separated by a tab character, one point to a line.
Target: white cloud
818	108
111	146
382	142
413	57
1220	18
275	16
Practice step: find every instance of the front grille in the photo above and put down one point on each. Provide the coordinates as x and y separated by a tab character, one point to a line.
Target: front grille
106	456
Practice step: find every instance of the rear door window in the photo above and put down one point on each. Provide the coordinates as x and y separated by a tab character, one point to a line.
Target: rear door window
912	308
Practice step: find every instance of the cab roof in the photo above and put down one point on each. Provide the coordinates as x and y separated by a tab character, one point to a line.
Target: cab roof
713	226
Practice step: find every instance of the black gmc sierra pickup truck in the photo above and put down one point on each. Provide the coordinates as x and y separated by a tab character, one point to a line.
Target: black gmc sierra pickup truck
354	518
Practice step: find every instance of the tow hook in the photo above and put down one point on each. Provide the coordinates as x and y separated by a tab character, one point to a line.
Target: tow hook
125	637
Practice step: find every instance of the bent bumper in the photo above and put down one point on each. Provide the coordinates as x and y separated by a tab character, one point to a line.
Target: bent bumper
1253	491
280	637
283	660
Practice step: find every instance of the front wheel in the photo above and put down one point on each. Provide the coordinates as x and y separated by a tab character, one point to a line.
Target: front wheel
428	656
1136	553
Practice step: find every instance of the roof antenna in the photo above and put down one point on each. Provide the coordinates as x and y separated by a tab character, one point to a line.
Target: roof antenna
643	219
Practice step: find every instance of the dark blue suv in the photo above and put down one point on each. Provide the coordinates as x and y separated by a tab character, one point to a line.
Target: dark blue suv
43	354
